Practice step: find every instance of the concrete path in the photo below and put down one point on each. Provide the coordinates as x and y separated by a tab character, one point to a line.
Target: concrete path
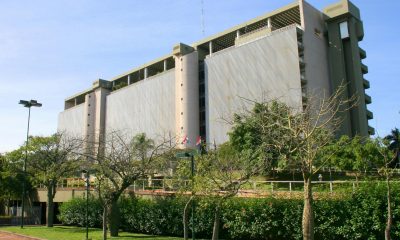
13	236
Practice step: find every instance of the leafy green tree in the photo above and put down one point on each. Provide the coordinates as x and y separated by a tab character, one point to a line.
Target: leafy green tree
51	159
394	145
10	179
350	154
252	135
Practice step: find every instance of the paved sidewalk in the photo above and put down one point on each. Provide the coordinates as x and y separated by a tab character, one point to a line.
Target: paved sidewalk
13	236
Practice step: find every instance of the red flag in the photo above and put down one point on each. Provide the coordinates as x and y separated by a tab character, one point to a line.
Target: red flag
198	140
185	140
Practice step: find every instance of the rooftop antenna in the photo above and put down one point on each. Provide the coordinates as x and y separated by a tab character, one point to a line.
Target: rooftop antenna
202	18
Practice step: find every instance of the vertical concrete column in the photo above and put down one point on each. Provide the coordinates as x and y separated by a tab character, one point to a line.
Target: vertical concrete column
89	126
269	23
95	112
187	97
210	46
100	114
146	73
165	65
237	34
129	79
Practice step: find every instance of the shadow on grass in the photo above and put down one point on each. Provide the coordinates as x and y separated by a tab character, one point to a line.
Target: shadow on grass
142	237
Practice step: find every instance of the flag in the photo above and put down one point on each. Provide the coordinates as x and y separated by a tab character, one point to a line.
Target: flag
198	140
185	140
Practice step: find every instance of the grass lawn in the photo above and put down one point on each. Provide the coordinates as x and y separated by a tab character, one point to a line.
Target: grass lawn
76	233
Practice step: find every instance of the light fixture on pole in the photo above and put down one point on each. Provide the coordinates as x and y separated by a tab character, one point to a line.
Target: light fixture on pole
87	184
28	104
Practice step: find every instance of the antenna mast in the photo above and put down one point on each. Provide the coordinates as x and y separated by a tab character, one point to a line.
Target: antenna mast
202	18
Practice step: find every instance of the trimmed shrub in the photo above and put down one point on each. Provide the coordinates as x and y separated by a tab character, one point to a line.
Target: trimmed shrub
158	216
73	212
360	216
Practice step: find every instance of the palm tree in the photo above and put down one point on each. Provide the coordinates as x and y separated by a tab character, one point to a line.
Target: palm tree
394	144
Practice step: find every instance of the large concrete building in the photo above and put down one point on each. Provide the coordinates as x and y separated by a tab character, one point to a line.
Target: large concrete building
283	54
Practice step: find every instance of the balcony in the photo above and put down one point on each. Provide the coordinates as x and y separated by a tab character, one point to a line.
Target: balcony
366	84
371	130
363	54
303	79
364	68
301	62
368	99
370	115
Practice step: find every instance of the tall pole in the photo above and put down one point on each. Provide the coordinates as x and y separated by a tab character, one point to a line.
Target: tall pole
28	104
24	171
192	166
87	205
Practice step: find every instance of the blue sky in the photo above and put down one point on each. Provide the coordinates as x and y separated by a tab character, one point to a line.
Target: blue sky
50	50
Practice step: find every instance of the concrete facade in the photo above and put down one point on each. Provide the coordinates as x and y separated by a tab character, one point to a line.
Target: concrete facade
285	54
232	84
143	105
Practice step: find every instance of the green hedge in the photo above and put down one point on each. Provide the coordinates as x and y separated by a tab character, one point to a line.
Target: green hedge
73	212
361	216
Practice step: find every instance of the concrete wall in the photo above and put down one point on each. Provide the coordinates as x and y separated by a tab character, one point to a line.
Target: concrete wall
265	69
71	121
315	50
146	106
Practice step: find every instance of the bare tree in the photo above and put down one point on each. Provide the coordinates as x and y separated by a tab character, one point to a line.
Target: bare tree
383	163
277	134
306	132
51	159
221	173
120	162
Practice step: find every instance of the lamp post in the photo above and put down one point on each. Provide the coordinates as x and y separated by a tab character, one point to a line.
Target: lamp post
87	184
28	104
191	156
192	168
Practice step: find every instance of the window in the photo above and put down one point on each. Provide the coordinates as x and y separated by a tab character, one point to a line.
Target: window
344	30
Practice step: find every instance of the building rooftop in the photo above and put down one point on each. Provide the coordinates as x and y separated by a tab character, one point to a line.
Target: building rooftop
282	17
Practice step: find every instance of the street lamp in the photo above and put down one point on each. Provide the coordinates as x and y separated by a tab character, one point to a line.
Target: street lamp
191	156
28	104
87	184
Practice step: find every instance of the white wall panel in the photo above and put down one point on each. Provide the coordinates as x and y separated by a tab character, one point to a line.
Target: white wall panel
264	69
315	51
146	106
71	121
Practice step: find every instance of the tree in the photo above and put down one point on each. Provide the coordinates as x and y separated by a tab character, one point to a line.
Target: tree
122	161
394	145
221	173
383	164
183	174
248	135
349	154
51	159
10	179
295	138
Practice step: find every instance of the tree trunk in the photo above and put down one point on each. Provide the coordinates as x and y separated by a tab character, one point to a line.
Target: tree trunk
308	212
104	223
2	207
186	219
389	210
215	235
50	205
357	179
114	218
